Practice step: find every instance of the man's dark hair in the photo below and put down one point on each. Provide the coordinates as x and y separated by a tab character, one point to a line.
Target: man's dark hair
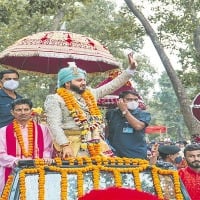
126	92
20	102
9	71
191	147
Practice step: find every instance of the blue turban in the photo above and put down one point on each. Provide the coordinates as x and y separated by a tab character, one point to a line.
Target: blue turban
70	73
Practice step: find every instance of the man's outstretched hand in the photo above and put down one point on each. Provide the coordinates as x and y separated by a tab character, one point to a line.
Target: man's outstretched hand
132	62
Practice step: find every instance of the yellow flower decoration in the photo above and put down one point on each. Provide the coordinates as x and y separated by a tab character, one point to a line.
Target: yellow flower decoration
96	165
37	110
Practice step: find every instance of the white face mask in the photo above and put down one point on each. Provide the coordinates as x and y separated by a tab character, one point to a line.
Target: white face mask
132	105
11	84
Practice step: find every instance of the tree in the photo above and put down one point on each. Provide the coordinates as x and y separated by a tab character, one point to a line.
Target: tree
169	111
97	19
179	89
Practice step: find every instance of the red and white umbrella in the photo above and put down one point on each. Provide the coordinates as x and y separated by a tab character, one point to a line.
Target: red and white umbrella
47	52
110	101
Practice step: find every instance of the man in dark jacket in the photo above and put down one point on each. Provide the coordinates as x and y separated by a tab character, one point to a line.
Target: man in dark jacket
9	83
126	125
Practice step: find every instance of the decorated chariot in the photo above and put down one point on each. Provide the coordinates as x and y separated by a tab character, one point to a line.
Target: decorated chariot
71	178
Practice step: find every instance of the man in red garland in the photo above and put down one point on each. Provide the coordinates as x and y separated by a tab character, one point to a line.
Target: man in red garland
191	174
22	139
72	113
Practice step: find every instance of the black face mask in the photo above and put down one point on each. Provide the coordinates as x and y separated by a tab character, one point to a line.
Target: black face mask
178	160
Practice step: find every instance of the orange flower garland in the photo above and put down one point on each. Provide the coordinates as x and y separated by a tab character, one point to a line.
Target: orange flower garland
94	149
64	184
95	165
177	186
117	177
80	183
137	181
96	177
156	182
78	114
7	188
19	136
41	194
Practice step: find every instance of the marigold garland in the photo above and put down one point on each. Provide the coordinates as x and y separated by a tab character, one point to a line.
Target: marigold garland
80	183
63	184
177	186
96	177
97	168
94	149
19	136
7	188
156	182
58	161
41	194
137	180
117	177
38	162
78	114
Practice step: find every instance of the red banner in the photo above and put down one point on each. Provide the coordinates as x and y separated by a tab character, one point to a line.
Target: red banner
156	129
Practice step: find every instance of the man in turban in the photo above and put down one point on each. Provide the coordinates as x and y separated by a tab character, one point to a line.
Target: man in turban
72	113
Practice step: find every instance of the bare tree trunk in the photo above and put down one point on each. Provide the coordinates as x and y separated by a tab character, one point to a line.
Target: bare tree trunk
58	20
197	40
191	123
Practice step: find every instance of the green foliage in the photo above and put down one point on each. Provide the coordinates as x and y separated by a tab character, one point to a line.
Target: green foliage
114	30
97	19
166	109
177	24
36	87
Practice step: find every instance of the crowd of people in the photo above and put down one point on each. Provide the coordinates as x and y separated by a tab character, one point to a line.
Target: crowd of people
74	120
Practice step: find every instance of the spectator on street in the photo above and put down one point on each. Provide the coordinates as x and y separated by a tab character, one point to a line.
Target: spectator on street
169	156
190	175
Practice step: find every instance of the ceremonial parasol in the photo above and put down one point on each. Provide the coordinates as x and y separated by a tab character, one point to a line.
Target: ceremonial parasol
196	107
47	52
110	101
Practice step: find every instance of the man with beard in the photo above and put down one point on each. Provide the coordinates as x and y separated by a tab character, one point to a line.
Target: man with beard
72	113
191	174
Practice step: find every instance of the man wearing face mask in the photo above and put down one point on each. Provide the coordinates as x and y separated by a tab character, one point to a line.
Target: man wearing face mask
126	125
9	83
